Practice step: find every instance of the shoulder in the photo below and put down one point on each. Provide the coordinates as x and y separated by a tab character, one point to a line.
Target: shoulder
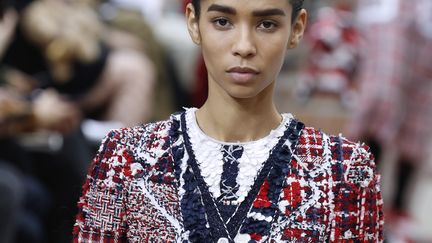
131	136
148	136
125	152
125	158
348	161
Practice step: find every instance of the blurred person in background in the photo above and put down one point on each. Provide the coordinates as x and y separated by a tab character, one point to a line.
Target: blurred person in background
117	81
39	137
333	43
393	109
144	26
164	20
24	200
62	65
61	44
10	183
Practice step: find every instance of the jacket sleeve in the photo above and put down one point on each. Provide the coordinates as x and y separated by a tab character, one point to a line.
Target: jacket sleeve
358	205
101	208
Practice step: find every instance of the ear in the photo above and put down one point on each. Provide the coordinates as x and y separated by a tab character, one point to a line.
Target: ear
297	29
192	24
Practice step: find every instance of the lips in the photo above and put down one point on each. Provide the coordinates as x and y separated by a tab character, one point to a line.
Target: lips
242	74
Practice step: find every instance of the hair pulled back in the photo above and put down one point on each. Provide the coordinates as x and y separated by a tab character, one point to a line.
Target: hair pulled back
297	6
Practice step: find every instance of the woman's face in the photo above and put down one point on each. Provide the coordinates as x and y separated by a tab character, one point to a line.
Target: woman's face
244	42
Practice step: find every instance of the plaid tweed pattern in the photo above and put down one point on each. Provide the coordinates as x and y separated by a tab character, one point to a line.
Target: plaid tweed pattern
330	193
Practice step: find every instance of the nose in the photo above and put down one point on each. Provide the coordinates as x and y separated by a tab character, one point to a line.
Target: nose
244	43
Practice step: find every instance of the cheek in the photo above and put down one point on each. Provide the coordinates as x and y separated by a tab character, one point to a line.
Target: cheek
212	56
214	49
215	42
274	52
277	45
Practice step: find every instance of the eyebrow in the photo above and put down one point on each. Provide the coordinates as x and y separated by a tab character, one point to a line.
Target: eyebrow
268	12
221	8
256	13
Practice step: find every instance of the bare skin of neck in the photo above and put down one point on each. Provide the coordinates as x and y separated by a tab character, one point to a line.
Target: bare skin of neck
229	119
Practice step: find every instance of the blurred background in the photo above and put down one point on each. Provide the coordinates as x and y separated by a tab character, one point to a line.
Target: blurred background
71	70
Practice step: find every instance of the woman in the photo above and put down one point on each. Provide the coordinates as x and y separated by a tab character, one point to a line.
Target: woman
64	46
234	170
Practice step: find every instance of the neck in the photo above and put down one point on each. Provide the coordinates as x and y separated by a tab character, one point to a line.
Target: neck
239	120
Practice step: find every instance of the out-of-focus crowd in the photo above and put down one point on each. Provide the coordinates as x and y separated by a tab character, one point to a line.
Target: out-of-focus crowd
70	70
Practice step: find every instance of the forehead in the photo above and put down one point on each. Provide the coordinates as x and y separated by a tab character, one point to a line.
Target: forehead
247	5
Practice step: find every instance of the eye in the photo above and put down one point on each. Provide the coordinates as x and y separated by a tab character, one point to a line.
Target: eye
221	23
267	25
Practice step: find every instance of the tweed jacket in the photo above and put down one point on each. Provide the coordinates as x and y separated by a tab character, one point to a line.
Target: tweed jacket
145	185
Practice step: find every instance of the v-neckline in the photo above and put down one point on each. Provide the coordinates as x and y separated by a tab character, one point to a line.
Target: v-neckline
218	227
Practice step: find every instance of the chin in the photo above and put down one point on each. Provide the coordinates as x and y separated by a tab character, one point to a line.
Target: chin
243	93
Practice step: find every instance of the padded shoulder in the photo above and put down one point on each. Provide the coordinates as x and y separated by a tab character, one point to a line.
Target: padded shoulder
350	161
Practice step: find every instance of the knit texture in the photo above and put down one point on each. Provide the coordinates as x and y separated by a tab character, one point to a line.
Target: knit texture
151	184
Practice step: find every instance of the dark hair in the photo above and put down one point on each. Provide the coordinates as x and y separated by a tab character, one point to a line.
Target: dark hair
296	4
